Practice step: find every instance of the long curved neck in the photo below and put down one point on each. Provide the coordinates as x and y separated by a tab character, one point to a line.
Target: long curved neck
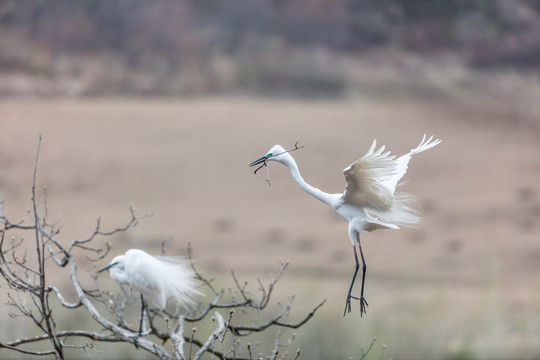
313	191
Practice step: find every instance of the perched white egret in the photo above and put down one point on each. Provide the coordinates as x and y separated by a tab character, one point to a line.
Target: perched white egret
370	200
158	278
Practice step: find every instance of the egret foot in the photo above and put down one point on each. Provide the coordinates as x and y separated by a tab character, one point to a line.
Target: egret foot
347	305
136	340
363	304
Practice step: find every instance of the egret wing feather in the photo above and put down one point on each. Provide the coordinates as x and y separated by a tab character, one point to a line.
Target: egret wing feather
401	164
371	180
366	178
182	284
371	184
146	277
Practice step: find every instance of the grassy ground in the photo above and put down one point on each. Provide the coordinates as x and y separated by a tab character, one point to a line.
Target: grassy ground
462	285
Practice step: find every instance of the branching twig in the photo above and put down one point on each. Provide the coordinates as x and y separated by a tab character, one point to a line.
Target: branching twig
219	330
364	354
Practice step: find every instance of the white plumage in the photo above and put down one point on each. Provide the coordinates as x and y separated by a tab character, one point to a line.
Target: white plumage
158	278
371	183
370	200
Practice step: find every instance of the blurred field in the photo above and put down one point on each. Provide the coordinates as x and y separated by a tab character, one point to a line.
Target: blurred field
465	284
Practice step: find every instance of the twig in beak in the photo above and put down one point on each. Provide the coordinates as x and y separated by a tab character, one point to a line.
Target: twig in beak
265	164
267	174
259	168
296	147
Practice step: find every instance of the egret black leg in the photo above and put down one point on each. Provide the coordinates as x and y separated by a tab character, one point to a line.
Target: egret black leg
348	302
142	313
363	302
143	306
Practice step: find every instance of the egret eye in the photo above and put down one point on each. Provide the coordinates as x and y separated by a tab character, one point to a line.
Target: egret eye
269	154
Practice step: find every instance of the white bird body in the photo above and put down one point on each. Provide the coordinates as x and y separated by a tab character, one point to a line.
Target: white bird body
158	278
370	200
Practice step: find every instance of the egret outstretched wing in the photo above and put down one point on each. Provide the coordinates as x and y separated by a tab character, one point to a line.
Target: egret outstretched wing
371	180
367	179
401	163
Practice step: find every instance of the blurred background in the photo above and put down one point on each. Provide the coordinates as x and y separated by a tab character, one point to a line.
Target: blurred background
164	104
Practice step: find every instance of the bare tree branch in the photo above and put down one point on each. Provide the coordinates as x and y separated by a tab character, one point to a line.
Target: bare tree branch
219	330
32	295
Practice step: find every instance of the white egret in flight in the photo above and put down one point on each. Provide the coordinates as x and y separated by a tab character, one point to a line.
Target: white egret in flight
158	278
370	200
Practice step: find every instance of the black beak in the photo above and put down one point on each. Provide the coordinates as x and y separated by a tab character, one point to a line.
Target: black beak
106	267
258	161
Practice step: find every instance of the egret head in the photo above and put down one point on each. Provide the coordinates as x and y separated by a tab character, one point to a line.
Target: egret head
276	153
117	269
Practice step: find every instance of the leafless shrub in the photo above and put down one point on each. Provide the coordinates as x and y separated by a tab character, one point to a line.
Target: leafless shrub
229	316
